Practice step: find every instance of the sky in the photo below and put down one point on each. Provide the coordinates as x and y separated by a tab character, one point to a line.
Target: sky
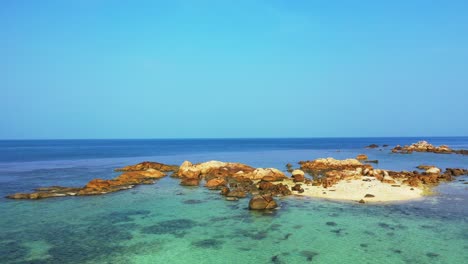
233	69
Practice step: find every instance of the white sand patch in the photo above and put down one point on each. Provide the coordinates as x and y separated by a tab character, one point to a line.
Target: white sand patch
355	190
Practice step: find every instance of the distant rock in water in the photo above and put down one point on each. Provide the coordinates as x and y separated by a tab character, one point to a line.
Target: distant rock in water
424	146
361	157
146	165
372	146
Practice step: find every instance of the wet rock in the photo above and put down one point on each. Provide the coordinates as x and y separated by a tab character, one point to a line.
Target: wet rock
224	191
369	196
238	193
331	224
261	202
232	199
371	161
362	201
372	146
216	183
190	182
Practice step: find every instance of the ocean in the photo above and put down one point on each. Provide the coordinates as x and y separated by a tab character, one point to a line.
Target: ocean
169	223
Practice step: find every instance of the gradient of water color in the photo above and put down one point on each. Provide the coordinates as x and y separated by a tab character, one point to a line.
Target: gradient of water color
168	223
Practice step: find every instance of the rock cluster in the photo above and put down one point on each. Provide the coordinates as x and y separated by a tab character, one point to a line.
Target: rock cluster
424	146
222	170
330	171
146	165
128	179
320	165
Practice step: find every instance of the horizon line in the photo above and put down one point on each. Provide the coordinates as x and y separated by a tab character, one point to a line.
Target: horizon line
226	138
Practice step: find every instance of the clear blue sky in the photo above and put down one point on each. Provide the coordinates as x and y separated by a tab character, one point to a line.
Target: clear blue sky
192	69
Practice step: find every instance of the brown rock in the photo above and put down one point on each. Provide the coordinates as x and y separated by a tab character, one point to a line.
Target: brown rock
143	166
298	188
215	183
237	193
331	164
189	182
224	191
361	157
262	202
266	186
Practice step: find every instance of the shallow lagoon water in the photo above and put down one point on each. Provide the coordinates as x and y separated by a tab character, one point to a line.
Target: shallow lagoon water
168	223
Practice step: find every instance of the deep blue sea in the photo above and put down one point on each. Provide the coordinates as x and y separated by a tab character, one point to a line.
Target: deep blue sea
168	223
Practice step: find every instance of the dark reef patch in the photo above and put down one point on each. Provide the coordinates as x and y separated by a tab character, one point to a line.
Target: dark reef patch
175	227
252	234
12	251
331	224
208	243
309	254
191	201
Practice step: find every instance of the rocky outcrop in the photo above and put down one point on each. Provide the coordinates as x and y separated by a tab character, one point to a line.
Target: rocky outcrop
319	165
262	202
146	165
268	188
372	146
258	174
124	181
424	146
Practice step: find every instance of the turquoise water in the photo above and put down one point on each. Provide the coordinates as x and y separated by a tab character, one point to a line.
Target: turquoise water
168	223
